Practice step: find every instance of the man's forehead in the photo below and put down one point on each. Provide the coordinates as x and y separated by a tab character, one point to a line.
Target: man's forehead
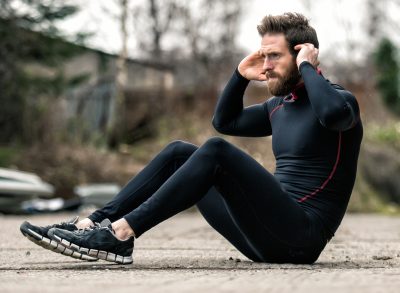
274	42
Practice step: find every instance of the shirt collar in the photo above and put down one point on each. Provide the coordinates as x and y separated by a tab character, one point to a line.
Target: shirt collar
300	88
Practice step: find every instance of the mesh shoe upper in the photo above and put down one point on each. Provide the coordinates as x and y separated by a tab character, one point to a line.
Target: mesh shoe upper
39	236
99	238
43	230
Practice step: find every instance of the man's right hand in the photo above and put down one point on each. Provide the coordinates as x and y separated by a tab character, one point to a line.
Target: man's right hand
251	67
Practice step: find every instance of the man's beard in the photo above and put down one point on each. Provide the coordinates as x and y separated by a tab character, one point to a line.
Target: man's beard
283	85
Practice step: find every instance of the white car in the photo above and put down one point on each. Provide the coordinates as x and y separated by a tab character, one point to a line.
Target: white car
17	187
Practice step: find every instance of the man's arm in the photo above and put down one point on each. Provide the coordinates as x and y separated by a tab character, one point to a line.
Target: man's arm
335	108
231	118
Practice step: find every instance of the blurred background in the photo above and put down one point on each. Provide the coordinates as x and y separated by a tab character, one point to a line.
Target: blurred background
92	90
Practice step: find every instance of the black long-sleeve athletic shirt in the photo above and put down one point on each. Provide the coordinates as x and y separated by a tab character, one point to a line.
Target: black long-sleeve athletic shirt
316	136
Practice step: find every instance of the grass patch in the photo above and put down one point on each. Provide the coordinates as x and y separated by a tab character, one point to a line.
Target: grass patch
389	134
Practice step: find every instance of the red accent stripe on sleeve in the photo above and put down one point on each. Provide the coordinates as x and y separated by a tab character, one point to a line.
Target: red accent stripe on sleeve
274	109
330	175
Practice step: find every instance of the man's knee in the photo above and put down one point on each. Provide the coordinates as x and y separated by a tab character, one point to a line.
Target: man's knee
180	148
215	146
216	142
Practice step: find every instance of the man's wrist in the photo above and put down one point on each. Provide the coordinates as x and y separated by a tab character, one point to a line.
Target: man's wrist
241	76
303	62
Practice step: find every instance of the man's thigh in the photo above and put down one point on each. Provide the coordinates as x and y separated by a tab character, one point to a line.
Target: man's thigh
258	204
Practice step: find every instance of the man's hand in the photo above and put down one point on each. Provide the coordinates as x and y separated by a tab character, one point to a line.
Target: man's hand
307	52
251	67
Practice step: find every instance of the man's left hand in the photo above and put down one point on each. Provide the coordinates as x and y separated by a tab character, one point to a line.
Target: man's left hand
307	52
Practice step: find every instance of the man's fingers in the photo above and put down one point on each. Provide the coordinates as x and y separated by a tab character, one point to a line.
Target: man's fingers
262	77
298	47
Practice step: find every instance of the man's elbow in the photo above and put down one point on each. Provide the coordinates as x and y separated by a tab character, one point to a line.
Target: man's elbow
341	120
219	127
215	123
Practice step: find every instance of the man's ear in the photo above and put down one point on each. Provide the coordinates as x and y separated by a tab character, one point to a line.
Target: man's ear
293	51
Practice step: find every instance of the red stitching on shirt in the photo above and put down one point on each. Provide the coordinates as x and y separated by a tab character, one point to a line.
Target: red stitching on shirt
297	87
330	175
274	109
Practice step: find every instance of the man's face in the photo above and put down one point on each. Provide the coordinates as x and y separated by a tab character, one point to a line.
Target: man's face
280	66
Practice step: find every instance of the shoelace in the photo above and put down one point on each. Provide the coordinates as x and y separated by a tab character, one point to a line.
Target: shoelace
96	226
55	225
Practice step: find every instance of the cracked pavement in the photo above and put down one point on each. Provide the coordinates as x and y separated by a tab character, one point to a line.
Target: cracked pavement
184	254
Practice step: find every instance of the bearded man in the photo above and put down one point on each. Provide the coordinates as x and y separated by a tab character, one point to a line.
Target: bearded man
285	217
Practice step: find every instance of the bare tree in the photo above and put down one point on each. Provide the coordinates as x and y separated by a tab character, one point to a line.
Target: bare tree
211	29
117	123
152	22
382	19
202	29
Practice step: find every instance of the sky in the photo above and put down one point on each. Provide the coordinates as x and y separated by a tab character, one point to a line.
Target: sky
338	23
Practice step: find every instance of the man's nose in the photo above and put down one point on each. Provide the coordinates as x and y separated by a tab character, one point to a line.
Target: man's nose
268	65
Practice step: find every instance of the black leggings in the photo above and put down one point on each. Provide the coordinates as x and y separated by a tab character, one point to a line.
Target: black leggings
234	193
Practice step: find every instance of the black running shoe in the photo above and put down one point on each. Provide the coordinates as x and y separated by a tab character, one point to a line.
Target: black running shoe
98	241
38	235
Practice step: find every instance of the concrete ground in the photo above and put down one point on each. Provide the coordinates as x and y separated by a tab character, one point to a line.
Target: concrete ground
184	254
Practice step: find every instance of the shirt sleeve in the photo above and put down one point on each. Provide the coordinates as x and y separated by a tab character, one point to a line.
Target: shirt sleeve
336	108
230	117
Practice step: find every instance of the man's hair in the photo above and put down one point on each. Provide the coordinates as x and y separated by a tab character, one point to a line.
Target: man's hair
294	26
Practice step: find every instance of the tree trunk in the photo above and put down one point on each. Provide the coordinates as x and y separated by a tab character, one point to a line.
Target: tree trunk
117	128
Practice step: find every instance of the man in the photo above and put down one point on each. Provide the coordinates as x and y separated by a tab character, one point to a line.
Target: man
285	217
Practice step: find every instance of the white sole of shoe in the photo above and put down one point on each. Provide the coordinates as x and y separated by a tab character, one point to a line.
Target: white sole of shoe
55	246
100	254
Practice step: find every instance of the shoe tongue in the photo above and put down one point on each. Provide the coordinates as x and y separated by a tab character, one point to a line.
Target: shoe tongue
74	220
105	223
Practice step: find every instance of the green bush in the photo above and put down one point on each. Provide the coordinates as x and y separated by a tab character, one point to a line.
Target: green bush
387	68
